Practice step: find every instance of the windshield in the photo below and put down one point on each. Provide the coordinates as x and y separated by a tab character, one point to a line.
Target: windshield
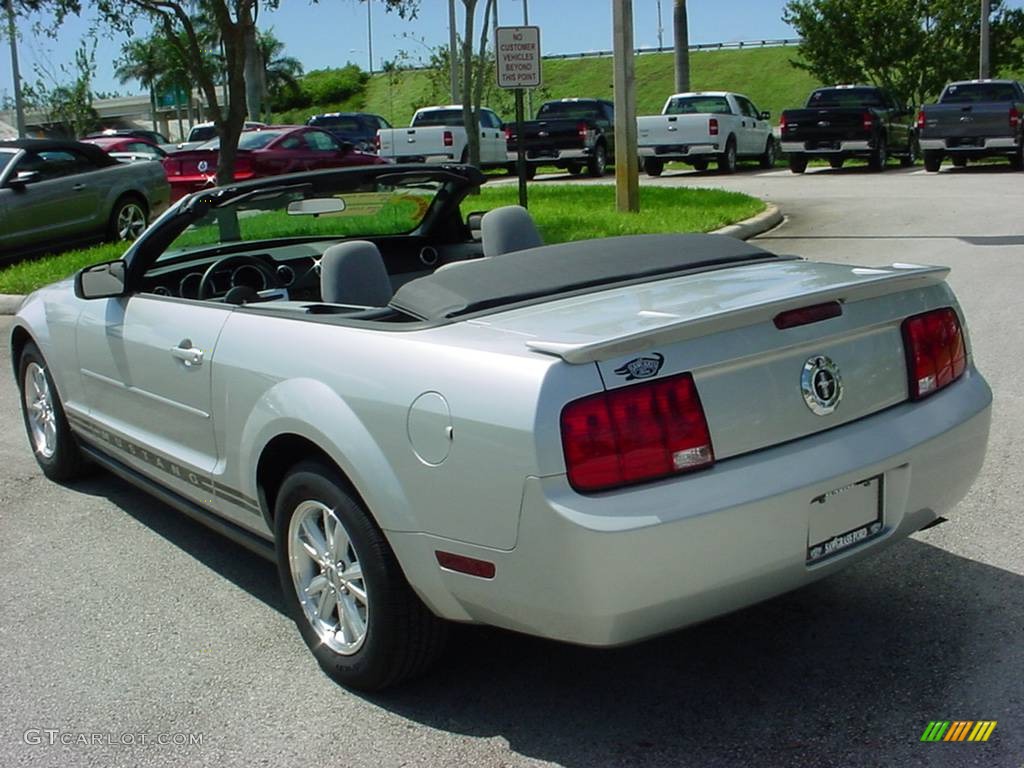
703	105
202	133
569	110
438	117
969	93
349	124
846	97
249	140
377	207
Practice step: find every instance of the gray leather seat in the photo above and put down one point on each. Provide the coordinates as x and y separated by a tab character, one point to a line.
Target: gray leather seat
354	273
508	229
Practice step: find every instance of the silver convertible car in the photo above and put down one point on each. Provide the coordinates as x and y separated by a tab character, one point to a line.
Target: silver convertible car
423	415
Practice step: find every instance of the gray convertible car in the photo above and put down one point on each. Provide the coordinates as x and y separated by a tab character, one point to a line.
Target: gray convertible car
56	193
426	416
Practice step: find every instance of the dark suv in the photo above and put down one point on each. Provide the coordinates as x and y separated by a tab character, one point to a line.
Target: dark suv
357	128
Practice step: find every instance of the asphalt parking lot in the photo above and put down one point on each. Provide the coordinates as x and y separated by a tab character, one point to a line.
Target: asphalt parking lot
121	618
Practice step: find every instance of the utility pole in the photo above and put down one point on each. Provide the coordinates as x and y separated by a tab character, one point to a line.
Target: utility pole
627	180
19	104
453	56
661	29
369	34
985	68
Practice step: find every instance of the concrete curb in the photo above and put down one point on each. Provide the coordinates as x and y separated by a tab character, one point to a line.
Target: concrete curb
770	217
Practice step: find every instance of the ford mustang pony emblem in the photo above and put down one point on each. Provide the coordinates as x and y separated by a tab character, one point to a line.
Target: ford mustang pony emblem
642	367
821	385
203	165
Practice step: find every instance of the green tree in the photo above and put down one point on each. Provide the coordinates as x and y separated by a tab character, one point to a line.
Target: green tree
282	72
911	47
65	98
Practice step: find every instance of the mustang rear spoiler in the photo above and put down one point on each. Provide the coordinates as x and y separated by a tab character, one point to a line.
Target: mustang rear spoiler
867	283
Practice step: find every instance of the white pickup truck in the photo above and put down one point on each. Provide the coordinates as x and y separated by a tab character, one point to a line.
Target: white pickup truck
702	126
437	134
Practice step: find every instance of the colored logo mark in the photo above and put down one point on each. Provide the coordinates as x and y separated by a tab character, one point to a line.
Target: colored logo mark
958	730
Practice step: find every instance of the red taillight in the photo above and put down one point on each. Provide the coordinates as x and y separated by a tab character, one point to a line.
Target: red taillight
1014	118
462	564
783	124
713	126
508	133
243	168
172	167
636	433
581	130
807	315
449	139
868	121
376	142
936	356
920	120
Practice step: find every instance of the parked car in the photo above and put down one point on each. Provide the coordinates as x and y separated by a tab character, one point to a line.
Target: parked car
154	137
849	121
357	128
265	152
972	120
436	134
127	149
699	127
569	133
417	426
200	133
55	193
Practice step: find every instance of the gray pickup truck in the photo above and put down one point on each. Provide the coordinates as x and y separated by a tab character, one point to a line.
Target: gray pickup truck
974	119
61	192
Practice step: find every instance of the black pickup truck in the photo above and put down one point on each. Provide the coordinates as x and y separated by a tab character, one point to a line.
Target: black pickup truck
974	119
848	121
569	133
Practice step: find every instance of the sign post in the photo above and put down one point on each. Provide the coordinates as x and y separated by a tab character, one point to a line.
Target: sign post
518	57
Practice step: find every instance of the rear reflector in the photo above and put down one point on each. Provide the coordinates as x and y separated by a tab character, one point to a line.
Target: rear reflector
462	564
936	356
807	315
635	434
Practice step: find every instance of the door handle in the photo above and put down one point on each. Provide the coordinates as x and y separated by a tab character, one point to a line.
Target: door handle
189	355
78	187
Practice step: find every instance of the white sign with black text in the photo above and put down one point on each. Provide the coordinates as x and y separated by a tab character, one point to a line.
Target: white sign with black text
518	57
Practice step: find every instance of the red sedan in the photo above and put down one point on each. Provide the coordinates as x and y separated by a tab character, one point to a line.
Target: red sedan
268	152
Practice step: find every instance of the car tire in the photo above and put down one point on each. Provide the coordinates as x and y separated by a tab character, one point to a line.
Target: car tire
836	162
797	163
932	160
653	166
54	446
910	159
879	155
598	161
699	165
771	152
128	219
959	161
344	587
574	168
727	160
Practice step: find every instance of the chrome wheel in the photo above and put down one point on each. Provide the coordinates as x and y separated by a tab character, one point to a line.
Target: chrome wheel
131	221
328	577
42	419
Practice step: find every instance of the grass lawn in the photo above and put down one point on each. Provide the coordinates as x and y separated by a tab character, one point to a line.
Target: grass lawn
562	212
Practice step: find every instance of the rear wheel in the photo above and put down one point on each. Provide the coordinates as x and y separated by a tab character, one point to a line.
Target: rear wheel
879	156
932	160
653	166
53	445
770	153
597	162
836	162
127	220
344	588
727	160
797	163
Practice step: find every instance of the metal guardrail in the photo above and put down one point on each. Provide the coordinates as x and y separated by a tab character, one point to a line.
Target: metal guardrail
741	44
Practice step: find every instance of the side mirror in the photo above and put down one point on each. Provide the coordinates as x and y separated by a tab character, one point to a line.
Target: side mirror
101	281
23	178
766	115
346	146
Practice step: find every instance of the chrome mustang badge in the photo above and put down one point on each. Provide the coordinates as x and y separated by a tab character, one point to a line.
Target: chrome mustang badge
642	367
821	385
203	165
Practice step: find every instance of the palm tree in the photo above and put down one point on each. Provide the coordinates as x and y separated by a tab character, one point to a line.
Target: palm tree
282	73
140	61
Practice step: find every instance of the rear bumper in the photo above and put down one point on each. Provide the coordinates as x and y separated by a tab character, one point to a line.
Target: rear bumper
618	567
556	156
844	147
1003	145
680	152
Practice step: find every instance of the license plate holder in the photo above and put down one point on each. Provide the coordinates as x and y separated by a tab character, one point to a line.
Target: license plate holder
845	517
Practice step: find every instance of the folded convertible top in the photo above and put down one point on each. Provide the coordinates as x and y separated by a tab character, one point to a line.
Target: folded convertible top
555	270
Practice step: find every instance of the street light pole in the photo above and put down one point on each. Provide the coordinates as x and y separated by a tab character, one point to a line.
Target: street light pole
661	29
19	104
985	68
369	35
453	56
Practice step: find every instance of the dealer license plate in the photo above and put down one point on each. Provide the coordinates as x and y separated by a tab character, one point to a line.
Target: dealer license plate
844	517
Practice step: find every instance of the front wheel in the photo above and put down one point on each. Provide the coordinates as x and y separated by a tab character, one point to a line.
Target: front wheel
909	159
344	588
653	166
574	168
879	156
959	161
836	162
932	160
55	448
770	153
797	163
727	160
597	162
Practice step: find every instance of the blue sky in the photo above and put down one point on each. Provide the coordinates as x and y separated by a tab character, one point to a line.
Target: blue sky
333	32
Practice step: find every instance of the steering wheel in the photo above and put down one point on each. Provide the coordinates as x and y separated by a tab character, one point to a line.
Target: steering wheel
206	288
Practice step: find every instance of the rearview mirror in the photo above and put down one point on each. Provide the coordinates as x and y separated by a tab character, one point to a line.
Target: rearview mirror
315	206
23	178
101	281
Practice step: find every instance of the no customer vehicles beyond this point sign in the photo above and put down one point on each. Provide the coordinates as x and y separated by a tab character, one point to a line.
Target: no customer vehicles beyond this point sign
518	57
